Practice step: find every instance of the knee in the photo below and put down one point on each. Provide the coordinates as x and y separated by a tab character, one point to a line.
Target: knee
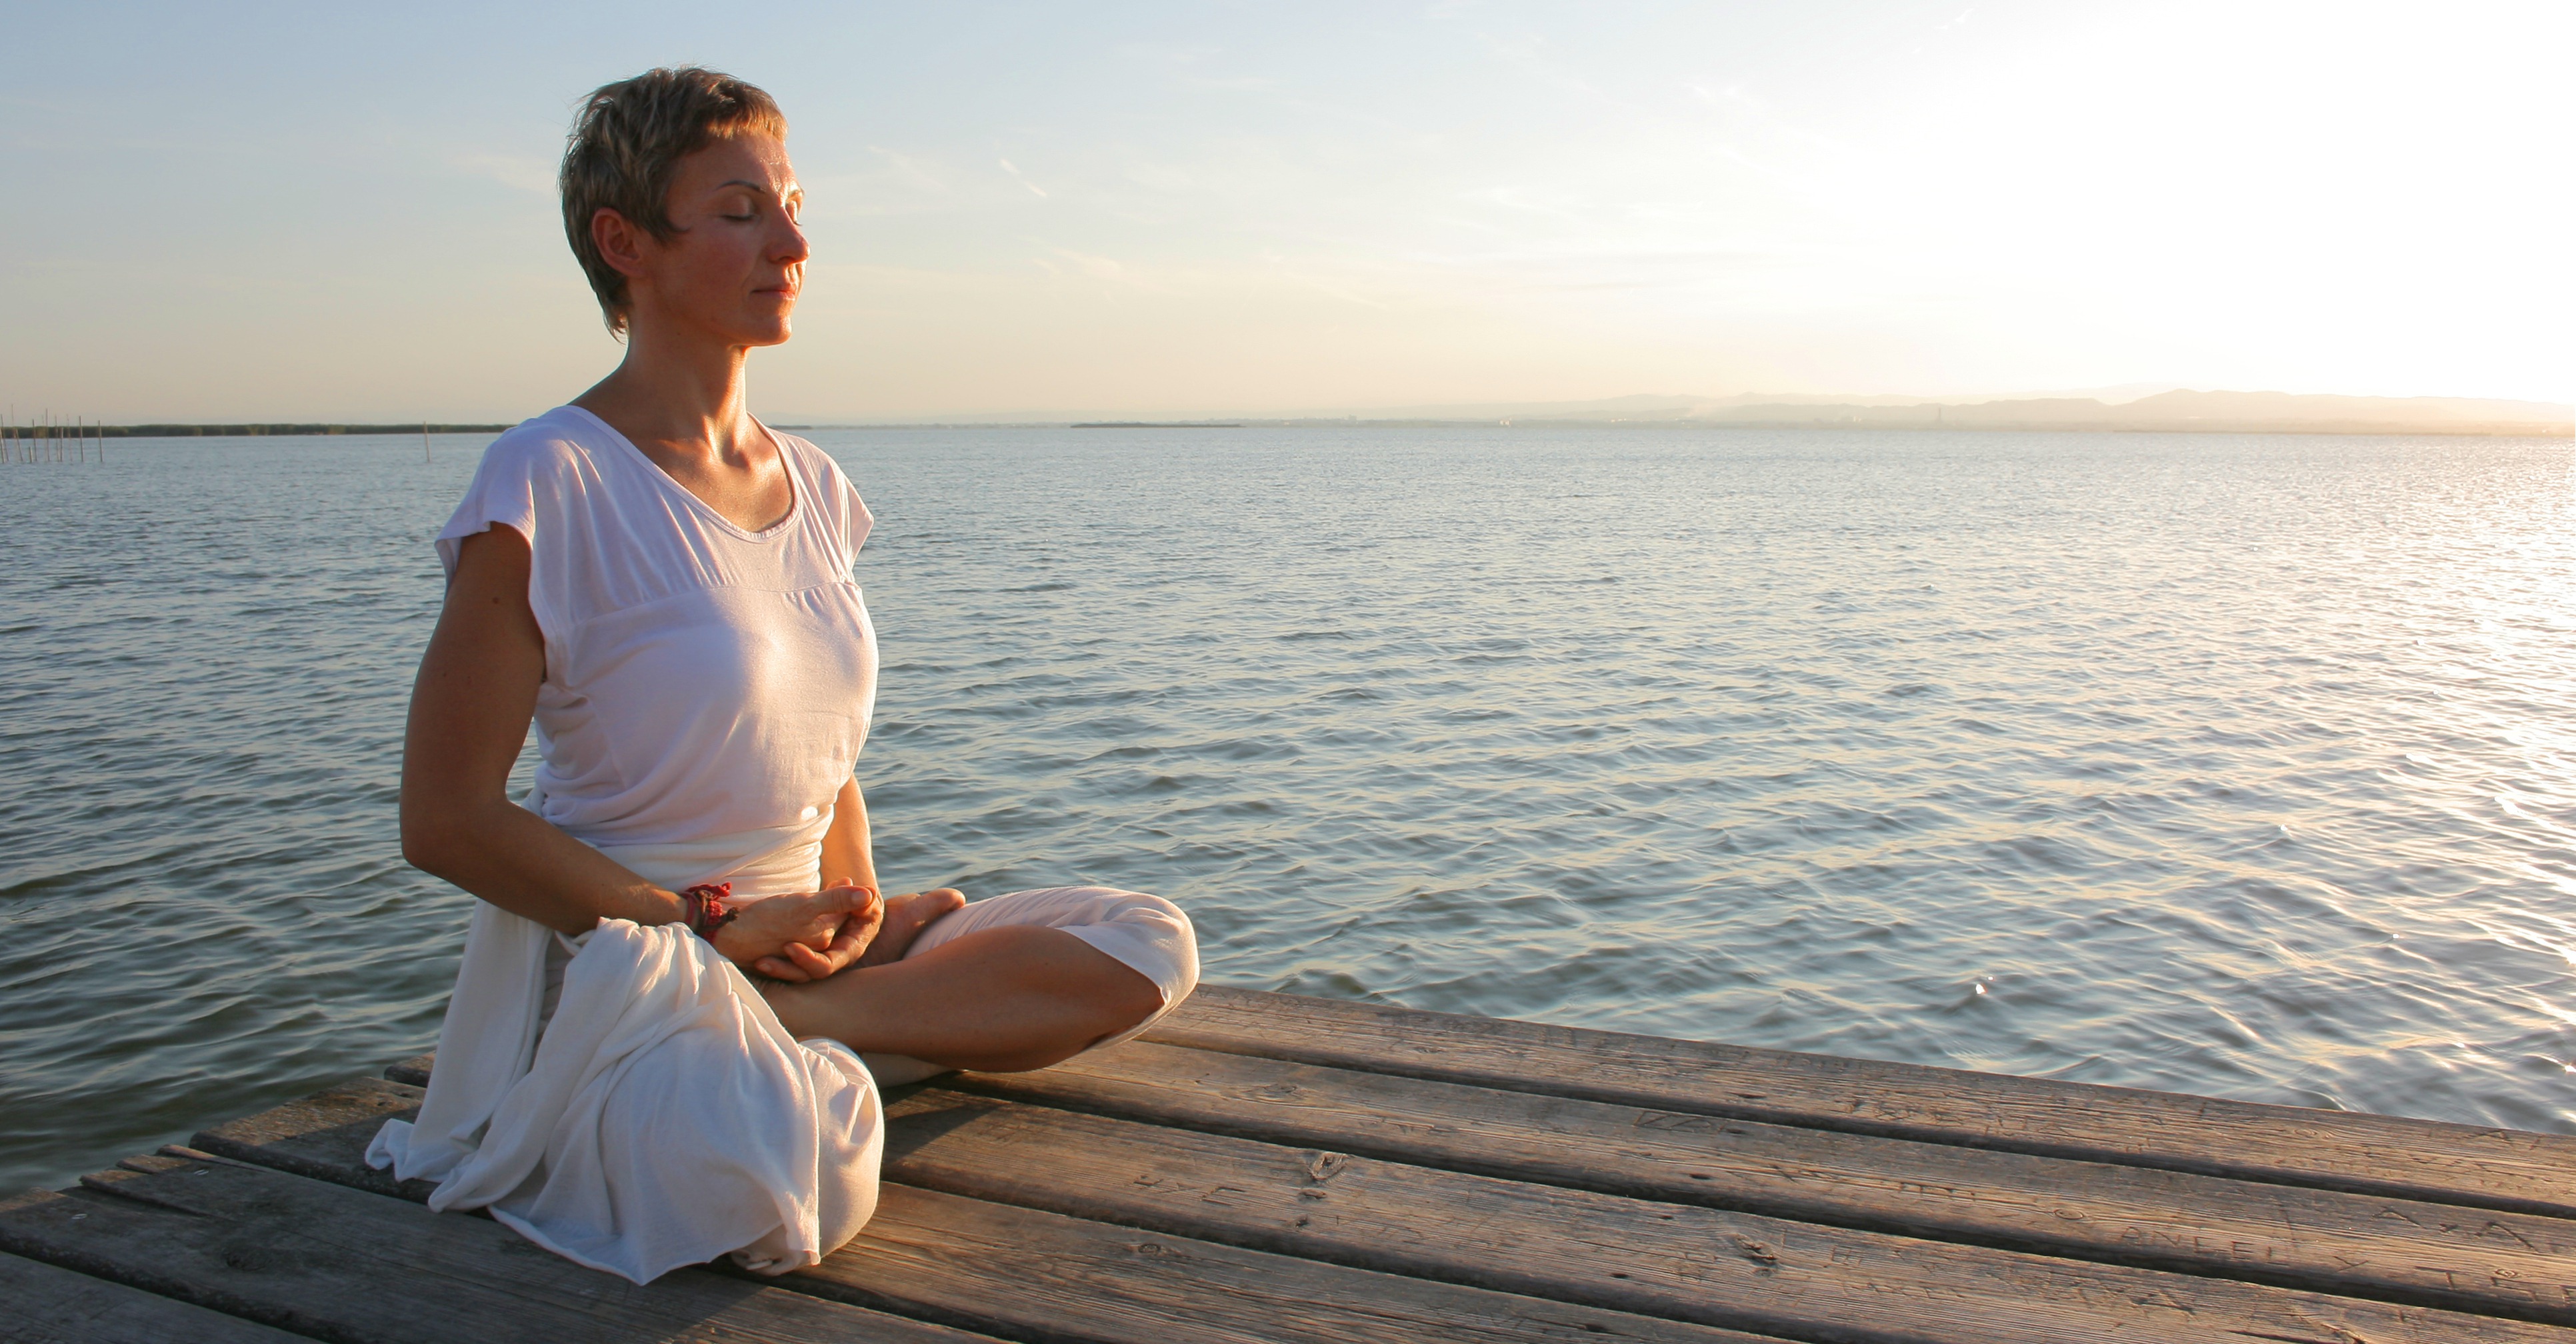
1160	911
1167	927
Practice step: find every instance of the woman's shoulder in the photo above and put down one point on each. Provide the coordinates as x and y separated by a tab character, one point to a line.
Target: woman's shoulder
541	478
566	441
836	499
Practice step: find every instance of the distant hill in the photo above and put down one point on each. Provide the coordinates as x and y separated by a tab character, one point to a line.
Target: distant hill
2180	409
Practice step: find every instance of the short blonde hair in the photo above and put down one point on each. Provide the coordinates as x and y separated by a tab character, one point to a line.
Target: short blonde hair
627	142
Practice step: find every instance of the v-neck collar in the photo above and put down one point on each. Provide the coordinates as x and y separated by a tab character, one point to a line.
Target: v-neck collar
795	493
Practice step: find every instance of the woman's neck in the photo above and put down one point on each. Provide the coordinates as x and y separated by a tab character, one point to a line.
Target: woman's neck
685	406
685	399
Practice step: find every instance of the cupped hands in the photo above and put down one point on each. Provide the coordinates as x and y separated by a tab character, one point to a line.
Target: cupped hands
802	937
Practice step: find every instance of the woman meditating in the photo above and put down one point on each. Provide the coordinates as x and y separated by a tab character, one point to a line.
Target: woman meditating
679	957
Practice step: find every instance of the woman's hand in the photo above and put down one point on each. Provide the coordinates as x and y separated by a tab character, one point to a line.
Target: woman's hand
805	937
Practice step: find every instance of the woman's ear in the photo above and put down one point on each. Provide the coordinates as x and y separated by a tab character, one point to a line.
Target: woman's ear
620	243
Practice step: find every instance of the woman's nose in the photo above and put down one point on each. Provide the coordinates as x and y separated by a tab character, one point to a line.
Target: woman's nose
791	245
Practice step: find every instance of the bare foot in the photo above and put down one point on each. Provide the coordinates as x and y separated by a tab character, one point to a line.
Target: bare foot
905	918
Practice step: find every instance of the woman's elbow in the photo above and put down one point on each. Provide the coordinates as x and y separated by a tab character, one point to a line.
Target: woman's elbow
433	837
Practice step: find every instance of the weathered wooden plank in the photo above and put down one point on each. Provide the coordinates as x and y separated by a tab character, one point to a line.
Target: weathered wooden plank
44	1304
1717	1267
414	1071
2405	1250
2291	1145
324	1136
1023	1272
344	1264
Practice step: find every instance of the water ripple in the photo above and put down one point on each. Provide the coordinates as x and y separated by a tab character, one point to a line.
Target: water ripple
2243	766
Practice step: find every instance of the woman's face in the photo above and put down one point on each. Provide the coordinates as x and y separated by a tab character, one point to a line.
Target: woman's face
733	270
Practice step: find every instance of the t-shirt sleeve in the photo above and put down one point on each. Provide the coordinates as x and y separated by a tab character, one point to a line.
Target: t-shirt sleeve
860	519
504	490
529	481
848	513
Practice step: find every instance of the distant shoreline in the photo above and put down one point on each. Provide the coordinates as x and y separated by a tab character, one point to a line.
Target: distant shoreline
1956	423
2175	411
242	431
2534	430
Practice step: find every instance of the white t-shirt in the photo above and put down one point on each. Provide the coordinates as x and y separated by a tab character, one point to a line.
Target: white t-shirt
707	689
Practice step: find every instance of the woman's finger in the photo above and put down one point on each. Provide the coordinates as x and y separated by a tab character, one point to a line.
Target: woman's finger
776	969
809	961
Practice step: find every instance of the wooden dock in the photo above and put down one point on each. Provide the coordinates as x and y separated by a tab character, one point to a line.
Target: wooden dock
1265	1168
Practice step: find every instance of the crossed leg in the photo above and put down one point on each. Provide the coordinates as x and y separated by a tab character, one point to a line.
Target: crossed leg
1011	983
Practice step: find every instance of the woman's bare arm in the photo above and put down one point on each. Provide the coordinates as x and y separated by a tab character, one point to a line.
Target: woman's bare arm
469	715
470	710
847	856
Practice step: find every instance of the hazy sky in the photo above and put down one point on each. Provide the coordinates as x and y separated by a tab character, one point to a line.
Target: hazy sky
281	211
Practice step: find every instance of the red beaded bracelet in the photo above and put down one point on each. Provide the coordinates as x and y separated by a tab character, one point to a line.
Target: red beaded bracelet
703	908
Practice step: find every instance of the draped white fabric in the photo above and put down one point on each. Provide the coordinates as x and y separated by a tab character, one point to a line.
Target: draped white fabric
665	1119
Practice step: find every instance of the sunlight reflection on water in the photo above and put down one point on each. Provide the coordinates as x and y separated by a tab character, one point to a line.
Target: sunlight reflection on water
2242	766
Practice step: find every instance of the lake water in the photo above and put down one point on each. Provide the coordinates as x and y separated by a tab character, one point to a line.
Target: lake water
2233	765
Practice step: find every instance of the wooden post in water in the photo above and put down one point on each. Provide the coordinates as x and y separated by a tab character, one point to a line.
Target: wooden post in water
424	442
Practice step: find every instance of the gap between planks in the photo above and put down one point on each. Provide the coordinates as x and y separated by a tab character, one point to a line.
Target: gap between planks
1027	1274
2426	1160
1786	1278
2289	1145
2404	1250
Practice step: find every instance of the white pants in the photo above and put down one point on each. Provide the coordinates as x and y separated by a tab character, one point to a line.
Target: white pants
1146	934
655	1113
